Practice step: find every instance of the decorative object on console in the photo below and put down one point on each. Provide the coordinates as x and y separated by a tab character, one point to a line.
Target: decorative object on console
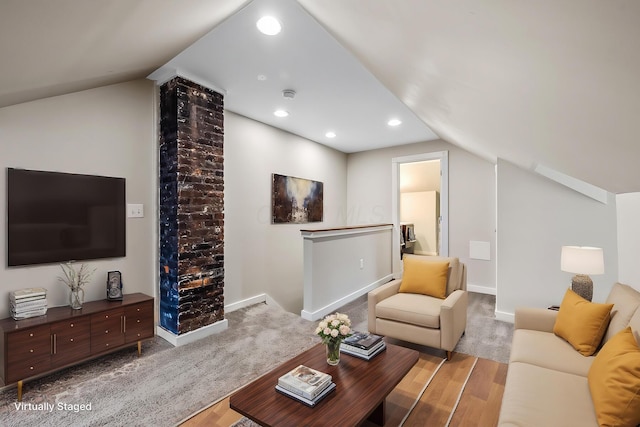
296	200
333	329
114	286
582	260
76	280
26	303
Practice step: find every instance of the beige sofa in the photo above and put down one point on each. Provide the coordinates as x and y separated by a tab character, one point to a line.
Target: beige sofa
547	379
422	319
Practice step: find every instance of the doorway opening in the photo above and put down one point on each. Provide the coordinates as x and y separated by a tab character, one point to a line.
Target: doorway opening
420	193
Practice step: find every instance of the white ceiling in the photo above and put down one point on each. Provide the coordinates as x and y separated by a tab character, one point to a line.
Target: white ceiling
546	82
334	92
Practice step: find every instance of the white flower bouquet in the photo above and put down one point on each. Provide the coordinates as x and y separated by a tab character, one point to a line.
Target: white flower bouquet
334	327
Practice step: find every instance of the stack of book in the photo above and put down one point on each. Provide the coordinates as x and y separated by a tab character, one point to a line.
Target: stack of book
27	303
363	345
306	385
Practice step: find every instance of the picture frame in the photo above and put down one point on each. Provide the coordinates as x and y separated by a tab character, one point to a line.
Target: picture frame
114	286
296	200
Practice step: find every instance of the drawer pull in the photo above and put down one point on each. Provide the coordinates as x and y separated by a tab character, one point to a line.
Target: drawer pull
31	334
71	325
138	309
107	345
106	332
138	334
71	340
31	368
31	351
106	317
138	321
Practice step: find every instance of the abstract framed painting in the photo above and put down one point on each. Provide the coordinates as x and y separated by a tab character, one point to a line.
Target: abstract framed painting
295	200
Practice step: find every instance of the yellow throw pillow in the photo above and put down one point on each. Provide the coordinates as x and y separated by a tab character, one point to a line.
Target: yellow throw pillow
424	277
582	323
614	381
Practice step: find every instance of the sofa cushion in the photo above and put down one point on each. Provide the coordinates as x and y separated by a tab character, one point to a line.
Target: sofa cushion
614	381
582	323
423	276
536	396
548	351
626	301
415	309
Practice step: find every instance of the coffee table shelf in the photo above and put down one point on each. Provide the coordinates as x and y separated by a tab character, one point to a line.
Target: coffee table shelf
361	389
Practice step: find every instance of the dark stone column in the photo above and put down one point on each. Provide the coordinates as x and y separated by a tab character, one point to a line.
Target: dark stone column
191	206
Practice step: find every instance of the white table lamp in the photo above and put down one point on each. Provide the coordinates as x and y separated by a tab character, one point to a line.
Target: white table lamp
582	260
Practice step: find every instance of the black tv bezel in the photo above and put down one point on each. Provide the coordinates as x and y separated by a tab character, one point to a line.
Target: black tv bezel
119	250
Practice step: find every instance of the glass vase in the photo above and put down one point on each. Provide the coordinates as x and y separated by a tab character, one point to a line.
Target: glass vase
333	352
76	298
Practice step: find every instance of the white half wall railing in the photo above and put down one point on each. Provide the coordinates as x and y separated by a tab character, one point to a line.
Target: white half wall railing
341	264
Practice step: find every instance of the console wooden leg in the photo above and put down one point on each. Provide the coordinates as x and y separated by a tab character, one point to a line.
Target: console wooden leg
449	353
139	348
20	391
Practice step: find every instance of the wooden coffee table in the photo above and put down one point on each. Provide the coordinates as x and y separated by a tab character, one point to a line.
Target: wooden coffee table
361	389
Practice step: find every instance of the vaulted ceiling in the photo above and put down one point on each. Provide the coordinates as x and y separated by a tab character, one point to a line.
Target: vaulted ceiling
547	82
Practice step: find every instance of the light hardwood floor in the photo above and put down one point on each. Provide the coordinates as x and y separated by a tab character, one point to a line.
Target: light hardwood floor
479	403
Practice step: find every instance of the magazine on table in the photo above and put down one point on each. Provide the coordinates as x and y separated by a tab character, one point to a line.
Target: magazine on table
363	340
309	402
352	349
305	381
378	350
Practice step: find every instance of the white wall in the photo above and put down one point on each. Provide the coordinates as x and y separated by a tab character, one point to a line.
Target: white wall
536	217
342	264
628	208
261	257
471	200
105	131
421	209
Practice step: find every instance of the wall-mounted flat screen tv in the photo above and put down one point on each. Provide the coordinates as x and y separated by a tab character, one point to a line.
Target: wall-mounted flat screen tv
59	217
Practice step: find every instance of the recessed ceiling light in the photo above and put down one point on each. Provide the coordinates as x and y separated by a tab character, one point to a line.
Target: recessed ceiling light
330	134
394	122
280	113
268	25
262	77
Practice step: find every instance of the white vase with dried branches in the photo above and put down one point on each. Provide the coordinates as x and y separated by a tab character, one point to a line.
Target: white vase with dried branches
76	280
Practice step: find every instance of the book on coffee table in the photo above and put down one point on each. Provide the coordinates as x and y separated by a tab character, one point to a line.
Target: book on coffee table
309	402
305	382
363	340
366	355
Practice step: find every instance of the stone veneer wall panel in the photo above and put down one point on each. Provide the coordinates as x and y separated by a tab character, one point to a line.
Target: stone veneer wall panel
191	206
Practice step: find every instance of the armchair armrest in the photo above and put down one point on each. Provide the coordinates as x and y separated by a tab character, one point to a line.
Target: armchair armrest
453	318
377	295
534	318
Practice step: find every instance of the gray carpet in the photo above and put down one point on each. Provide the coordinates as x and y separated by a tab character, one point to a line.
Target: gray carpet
168	384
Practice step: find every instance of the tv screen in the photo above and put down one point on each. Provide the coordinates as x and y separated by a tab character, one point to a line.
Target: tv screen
59	217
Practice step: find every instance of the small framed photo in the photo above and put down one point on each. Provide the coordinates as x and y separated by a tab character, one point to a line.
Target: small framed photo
114	285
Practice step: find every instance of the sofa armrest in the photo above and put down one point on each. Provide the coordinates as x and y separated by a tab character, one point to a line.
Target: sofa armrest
537	319
453	319
377	295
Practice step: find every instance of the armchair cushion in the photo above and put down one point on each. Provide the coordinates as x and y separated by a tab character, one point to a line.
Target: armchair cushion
414	309
422	276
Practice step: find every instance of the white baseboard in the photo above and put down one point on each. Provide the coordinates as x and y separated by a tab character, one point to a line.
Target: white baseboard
246	303
321	312
186	338
481	289
504	316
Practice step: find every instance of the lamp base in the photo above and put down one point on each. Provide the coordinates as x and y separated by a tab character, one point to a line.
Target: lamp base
582	285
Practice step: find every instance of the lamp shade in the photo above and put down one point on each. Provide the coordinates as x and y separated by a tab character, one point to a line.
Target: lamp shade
582	260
